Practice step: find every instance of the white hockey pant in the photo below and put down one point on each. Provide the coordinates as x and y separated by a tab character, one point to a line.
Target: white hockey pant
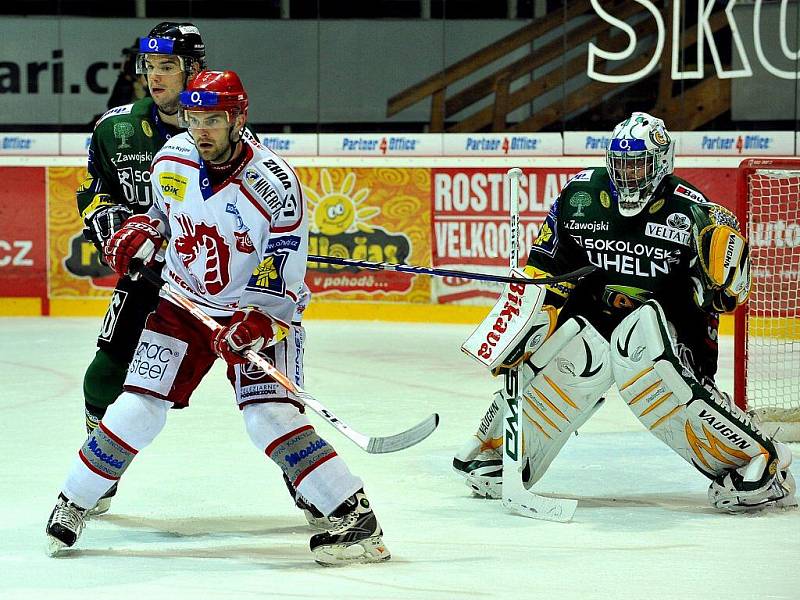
748	469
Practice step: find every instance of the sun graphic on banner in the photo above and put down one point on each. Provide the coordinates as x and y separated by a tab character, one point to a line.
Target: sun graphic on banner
339	211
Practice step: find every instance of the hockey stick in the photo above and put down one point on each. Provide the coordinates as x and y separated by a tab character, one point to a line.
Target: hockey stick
383	266
373	445
516	498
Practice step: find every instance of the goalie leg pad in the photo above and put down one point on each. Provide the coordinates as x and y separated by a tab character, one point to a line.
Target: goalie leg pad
701	426
563	385
479	461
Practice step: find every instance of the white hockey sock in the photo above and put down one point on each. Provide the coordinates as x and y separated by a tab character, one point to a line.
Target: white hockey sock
131	423
311	464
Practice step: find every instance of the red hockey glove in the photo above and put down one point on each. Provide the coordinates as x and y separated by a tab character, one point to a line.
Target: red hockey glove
138	238
249	329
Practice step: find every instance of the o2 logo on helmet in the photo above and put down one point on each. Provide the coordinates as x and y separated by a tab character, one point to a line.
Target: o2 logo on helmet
156	45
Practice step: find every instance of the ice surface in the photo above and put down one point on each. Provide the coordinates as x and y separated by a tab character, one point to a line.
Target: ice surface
202	514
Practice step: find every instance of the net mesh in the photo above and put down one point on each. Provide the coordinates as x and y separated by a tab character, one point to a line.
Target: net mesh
773	328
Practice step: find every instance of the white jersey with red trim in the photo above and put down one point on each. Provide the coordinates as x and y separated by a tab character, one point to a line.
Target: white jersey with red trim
241	243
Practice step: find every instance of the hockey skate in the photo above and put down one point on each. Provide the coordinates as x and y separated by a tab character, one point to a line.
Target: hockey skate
64	526
483	474
756	485
104	504
356	536
316	520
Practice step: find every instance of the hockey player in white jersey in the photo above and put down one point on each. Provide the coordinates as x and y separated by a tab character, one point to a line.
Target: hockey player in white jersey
235	225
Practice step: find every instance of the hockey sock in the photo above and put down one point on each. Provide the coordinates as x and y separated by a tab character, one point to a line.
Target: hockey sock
130	424
102	383
311	464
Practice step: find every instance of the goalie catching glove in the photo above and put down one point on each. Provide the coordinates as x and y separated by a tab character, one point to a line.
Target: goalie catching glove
140	237
724	259
248	329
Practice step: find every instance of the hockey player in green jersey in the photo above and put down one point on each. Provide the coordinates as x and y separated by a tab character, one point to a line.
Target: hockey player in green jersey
123	144
668	261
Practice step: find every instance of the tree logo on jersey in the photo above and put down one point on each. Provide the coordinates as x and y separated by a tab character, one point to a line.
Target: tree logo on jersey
123	131
267	277
580	200
605	199
205	254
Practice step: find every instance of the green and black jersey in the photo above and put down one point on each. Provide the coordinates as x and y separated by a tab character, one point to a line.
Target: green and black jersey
124	141
648	256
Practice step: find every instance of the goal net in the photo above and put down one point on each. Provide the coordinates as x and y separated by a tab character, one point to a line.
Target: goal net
767	345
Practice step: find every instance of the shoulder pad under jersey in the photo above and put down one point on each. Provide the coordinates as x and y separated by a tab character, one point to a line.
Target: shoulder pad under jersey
683	189
586	176
125	109
181	145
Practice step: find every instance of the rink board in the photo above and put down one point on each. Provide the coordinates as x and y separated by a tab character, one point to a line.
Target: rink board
445	212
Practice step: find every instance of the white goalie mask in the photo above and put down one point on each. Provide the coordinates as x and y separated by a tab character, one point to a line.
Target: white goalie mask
640	154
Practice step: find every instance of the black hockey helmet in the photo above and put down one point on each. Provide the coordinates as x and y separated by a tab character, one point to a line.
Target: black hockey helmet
180	39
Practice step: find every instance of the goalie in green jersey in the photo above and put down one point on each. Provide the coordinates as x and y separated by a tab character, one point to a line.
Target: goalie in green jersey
668	262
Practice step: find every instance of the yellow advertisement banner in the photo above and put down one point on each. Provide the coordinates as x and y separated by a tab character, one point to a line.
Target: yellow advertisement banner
75	270
372	214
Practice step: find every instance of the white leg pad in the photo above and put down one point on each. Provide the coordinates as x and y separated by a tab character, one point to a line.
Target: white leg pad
312	465
571	372
665	396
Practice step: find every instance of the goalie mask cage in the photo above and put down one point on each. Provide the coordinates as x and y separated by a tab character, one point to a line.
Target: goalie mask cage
767	330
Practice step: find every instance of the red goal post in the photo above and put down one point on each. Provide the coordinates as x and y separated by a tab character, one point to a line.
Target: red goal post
767	329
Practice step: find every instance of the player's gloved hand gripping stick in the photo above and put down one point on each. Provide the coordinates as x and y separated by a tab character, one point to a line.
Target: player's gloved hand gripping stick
373	445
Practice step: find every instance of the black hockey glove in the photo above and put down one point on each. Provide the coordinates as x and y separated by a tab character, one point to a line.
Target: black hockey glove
104	222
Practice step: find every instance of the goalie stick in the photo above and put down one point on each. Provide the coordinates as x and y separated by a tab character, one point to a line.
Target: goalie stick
373	445
516	498
384	266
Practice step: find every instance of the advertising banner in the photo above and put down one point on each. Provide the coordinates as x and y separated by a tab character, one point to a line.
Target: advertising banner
75	268
378	144
298	144
28	144
377	215
23	249
471	227
736	143
502	144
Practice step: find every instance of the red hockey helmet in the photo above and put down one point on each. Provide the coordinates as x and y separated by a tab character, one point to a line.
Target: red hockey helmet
215	91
